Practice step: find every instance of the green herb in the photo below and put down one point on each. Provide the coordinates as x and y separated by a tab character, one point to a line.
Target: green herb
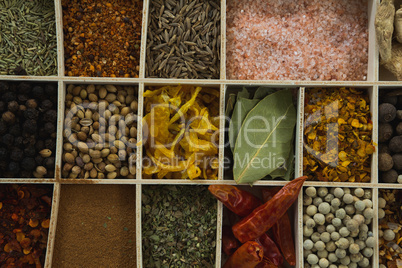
265	140
262	92
179	226
28	42
230	105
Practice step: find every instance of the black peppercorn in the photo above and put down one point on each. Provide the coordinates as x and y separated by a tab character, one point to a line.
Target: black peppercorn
19	141
49	128
42	133
39	160
22	98
51	89
2	106
25	173
13	106
50	144
7	139
16	154
30	151
31	103
14	167
31	114
24	88
46	105
3	153
49	163
3	165
50	116
9	96
8	117
3	87
30	126
38	92
3	127
28	164
40	145
15	130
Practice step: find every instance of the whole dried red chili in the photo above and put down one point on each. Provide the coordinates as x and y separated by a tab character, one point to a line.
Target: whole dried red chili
266	215
240	202
282	230
249	255
229	242
271	251
266	264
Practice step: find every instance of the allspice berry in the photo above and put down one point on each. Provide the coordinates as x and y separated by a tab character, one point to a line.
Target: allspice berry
390	176
397	158
387	112
399	129
385	132
395	144
8	117
13	106
385	162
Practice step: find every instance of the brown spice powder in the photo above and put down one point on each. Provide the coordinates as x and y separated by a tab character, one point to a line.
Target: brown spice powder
96	227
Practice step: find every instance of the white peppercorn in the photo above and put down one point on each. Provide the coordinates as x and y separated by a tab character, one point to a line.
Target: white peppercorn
356	257
364	263
350	209
310	223
342	266
332	266
352	265
345	261
321	229
340	253
336	222
319	218
368	202
344	232
381	213
380	233
367	194
363	235
340	214
324	208
329	198
330	246
364	228
350	239
317	201
308	244
306	253
342	243
319	245
324	263
389	235
307	231
329	217
382	266
338	192
332	257
370	242
307	200
354	233
346	219
367	221
306	265
315	237
305	218
360	205
359	192
325	237
311	210
315	266
381	202
322	191
311	191
347	198
336	202
368	252
330	228
359	218
361	244
346	190
352	225
368	213
312	259
322	253
335	236
354	248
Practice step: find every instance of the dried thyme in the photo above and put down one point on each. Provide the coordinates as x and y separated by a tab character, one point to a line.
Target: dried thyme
179	226
183	39
28	38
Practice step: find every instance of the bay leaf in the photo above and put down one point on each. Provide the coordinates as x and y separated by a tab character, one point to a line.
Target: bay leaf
242	107
262	92
285	172
265	137
230	105
243	94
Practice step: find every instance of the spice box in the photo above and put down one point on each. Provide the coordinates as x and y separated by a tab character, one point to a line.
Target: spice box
207	50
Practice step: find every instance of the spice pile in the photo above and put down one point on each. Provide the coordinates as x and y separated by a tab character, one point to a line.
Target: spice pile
28	42
336	227
297	40
181	133
258	249
100	131
390	136
24	224
96	227
261	134
390	228
178	226
27	129
337	135
102	39
184	39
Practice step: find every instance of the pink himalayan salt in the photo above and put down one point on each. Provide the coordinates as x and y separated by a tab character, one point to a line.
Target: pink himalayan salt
297	40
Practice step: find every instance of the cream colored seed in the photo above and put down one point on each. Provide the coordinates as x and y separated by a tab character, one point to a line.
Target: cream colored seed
95	153
76	91
119	144
92	97
111	175
111	88
83	94
86	158
124	171
69	158
45	153
91	88
76	170
110	168
102	93
93	173
82	147
41	170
